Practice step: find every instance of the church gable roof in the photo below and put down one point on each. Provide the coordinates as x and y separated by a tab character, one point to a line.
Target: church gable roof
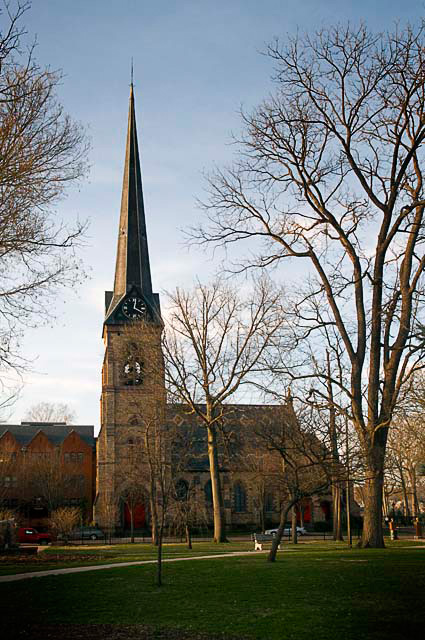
55	432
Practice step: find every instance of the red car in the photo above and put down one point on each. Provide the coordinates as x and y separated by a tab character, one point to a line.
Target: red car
27	534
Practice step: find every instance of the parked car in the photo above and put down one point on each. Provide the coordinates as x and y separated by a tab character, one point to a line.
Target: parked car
28	534
86	533
301	531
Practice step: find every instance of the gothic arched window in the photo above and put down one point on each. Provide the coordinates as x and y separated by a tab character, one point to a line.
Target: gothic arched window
268	502
182	490
133	369
208	493
239	498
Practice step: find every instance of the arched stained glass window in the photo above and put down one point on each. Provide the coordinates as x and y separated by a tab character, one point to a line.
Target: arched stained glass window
182	489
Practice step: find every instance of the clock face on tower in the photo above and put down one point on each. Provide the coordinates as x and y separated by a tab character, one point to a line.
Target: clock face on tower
134	307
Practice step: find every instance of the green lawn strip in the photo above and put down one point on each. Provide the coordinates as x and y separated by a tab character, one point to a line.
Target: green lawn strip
65	557
327	594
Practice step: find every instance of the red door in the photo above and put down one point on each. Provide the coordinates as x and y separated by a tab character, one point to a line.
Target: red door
139	516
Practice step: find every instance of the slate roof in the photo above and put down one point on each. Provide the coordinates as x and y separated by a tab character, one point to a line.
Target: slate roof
56	432
239	419
132	270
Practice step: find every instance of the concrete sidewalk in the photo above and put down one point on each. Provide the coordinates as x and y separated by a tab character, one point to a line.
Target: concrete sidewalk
115	565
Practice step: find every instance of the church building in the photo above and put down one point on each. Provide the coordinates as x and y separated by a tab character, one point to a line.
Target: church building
134	395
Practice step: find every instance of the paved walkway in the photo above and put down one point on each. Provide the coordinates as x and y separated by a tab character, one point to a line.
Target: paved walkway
117	565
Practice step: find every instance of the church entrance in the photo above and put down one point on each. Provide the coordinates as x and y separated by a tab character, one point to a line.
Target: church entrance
139	517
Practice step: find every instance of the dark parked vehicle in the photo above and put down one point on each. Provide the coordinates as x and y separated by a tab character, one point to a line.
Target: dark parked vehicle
287	531
28	534
86	533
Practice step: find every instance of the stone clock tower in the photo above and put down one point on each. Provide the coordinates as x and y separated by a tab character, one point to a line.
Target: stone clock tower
133	390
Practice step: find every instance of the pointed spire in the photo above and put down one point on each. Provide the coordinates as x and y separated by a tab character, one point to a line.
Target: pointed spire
132	265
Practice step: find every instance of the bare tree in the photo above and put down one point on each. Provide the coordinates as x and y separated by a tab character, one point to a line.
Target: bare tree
330	175
106	510
305	463
214	344
158	445
42	152
261	469
64	519
44	478
188	508
133	480
51	412
406	452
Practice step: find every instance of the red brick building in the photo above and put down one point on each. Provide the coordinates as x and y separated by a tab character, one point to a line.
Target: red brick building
46	465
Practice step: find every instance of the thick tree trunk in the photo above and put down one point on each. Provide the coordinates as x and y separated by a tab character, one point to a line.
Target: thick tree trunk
372	523
217	497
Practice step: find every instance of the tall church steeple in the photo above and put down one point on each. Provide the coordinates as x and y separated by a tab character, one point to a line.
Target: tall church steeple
132	270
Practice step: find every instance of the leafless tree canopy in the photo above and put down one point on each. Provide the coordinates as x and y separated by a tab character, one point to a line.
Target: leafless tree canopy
42	152
330	173
216	342
51	412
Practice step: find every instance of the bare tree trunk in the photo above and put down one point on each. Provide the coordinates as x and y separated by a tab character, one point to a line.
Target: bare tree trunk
188	537
413	491
372	523
262	497
262	519
384	502
336	507
301	508
347	487
132	523
348	509
278	537
336	493
334	512
406	509
294	533
154	520
218	508
159	557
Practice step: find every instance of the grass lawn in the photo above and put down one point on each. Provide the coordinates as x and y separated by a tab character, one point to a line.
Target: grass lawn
320	591
61	557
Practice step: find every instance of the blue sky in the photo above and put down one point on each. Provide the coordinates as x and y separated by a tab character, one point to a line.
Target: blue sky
195	64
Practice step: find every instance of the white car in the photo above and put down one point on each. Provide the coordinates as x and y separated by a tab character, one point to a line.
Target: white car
287	531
